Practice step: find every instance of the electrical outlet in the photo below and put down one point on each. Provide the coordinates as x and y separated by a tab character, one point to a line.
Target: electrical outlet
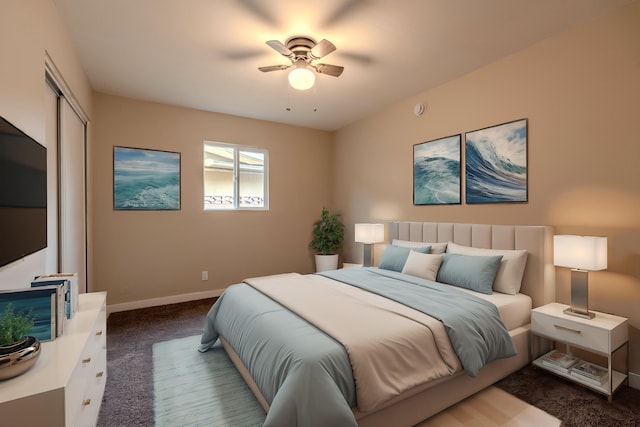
205	275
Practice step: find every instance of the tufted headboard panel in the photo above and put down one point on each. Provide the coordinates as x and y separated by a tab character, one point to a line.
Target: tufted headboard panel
539	275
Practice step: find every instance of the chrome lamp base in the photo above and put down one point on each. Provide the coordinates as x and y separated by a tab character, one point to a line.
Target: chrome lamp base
570	311
366	262
579	295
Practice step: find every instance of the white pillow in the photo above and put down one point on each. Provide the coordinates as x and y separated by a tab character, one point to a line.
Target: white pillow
509	277
436	248
422	265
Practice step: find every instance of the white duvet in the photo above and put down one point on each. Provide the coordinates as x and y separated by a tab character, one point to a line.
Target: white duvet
385	340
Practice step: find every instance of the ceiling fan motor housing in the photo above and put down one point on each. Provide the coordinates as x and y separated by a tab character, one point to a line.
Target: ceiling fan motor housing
300	46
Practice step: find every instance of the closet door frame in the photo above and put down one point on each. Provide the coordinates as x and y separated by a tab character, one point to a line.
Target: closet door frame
68	104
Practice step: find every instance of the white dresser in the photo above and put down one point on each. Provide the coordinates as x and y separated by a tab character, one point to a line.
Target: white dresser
65	386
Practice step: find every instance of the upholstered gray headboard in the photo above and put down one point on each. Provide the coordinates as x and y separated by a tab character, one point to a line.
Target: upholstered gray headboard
539	275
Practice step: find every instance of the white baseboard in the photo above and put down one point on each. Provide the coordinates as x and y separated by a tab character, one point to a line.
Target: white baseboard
634	380
154	302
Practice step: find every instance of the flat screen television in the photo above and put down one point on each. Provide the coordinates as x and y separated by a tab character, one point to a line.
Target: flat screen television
23	194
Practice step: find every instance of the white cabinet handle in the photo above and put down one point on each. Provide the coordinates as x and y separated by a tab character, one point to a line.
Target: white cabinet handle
87	360
98	333
86	402
99	374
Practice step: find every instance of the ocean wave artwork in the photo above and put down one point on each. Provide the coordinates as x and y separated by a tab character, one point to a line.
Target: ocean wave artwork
39	304
436	171
496	163
146	179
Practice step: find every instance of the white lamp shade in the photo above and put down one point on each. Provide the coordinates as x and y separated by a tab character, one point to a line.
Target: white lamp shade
301	78
580	252
369	233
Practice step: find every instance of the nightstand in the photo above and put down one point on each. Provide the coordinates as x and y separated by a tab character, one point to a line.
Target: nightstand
605	334
350	264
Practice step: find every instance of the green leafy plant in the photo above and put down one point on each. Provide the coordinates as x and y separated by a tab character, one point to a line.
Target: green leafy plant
328	233
14	326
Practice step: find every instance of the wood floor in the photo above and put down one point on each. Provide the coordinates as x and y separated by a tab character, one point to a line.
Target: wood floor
491	407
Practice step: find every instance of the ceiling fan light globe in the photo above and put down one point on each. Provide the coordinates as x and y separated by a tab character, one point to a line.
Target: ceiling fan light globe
301	78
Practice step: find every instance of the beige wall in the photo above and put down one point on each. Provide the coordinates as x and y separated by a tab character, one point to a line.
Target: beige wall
141	255
580	92
28	29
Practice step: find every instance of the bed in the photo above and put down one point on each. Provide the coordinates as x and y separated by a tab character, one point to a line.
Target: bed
389	345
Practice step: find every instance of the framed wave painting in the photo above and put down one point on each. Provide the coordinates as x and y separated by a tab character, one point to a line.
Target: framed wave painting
436	171
145	179
496	163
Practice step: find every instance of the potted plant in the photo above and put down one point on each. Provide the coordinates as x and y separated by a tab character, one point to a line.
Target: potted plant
18	350
328	237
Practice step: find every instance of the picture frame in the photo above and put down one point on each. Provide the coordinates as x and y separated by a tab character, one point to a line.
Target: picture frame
145	179
41	302
436	171
496	163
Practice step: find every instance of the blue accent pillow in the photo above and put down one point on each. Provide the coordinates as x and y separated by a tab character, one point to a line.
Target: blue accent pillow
394	257
470	272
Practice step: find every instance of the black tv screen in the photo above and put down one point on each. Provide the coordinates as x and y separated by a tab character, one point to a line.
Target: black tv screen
23	194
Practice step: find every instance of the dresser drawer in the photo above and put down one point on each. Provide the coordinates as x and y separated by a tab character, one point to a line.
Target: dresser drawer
570	331
83	394
92	397
94	367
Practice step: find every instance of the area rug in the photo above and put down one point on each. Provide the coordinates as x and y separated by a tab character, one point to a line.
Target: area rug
204	389
200	389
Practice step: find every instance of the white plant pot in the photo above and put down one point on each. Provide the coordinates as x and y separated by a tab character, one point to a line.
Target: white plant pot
326	262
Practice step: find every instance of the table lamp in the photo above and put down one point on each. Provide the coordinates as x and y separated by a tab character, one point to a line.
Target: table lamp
369	234
582	254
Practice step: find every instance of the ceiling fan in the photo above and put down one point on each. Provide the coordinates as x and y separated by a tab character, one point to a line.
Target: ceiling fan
303	52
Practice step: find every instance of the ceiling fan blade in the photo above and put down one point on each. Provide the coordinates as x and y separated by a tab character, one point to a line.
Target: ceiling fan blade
237	55
280	48
323	48
331	70
344	11
273	68
260	11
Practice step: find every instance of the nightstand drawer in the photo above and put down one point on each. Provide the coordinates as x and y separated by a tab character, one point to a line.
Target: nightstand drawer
571	332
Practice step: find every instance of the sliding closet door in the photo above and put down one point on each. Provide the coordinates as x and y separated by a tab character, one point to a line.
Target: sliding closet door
73	221
51	257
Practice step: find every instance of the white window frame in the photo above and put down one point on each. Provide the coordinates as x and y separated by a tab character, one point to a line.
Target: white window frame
236	176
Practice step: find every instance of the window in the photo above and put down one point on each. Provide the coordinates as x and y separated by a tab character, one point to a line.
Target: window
235	177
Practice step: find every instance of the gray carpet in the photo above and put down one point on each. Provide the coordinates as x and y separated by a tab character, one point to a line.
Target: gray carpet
571	403
128	399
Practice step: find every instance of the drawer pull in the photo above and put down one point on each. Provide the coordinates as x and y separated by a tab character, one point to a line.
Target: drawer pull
564	328
87	360
98	333
99	374
86	402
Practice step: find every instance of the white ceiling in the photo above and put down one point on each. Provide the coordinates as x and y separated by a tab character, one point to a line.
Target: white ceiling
205	54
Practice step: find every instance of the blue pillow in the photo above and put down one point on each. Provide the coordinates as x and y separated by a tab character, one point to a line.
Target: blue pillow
394	257
470	272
